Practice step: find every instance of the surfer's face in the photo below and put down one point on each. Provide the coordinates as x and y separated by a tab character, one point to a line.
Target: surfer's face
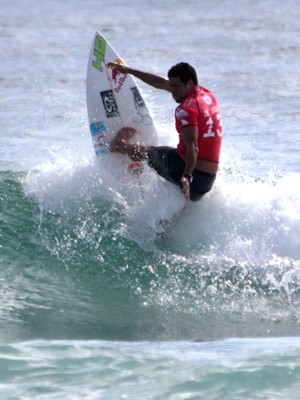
179	89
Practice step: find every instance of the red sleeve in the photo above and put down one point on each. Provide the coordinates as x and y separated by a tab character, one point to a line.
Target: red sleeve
186	118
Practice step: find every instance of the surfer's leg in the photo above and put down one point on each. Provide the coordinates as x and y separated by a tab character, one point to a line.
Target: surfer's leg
167	163
121	145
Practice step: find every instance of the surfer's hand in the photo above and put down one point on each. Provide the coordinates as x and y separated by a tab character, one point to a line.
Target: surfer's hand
118	67
185	188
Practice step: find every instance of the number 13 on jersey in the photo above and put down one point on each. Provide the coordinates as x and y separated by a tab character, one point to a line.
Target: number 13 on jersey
214	127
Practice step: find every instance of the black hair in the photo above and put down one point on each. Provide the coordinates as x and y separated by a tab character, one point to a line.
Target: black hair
184	71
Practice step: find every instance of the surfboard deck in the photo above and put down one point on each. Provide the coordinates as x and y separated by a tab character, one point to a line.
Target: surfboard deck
114	100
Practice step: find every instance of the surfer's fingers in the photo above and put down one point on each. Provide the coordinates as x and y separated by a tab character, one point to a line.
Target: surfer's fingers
116	66
112	65
186	188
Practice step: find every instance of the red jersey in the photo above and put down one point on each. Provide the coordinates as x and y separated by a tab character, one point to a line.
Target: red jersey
200	108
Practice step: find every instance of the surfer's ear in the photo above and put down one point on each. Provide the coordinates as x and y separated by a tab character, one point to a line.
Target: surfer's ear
191	84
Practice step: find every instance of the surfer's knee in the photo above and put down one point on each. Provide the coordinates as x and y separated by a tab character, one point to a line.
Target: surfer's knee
125	134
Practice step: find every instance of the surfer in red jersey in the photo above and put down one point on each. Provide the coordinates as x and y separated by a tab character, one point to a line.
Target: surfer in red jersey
193	165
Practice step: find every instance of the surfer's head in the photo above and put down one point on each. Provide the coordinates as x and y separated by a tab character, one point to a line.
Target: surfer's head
184	71
183	79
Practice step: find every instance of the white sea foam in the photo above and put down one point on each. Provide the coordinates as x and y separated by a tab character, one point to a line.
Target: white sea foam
242	217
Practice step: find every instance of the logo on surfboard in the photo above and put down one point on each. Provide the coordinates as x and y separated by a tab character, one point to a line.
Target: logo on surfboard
114	73
100	142
142	115
117	78
109	103
99	52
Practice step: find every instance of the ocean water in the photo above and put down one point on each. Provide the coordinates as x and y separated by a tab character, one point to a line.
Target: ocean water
98	299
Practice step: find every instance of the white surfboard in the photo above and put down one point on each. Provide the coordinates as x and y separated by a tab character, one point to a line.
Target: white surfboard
114	100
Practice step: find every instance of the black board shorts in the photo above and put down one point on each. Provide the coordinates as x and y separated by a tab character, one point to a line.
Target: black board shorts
168	164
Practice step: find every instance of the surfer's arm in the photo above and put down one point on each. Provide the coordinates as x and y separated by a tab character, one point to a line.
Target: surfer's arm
190	137
151	79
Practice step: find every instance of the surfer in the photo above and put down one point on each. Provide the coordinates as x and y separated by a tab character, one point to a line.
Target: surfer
193	165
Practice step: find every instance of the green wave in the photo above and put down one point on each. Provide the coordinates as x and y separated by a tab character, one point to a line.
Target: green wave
73	274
